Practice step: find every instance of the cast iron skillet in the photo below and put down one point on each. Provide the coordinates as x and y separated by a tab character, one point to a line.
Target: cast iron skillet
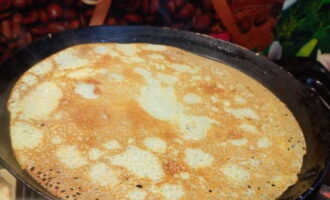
311	114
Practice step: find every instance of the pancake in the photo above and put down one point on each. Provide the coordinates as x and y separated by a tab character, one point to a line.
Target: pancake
151	122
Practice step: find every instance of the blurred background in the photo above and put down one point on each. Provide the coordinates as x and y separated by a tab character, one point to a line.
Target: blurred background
299	28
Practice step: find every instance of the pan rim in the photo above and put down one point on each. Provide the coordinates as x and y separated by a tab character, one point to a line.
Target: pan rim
228	47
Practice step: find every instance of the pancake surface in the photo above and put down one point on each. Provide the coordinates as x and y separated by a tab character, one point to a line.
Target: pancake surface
151	122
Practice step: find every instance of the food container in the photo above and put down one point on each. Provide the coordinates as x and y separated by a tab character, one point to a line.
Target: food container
246	22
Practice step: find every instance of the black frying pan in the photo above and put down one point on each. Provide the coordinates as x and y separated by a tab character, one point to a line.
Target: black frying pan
310	112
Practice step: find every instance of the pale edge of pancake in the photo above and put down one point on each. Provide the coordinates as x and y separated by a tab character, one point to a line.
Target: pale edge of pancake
141	121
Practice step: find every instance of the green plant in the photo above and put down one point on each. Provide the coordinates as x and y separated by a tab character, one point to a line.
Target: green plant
304	28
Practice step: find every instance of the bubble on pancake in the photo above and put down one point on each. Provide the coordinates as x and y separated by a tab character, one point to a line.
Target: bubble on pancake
207	78
182	68
102	71
60	115
239	142
136	194
248	128
68	60
214	109
159	66
156	56
86	90
29	79
102	49
24	135
82	73
255	162
196	78
220	86
130	50
172	191
152	47
56	140
15	96
116	77
168	79
184	175
195	127
112	145
197	158
106	50
70	156
250	192
139	162
42	68
239	100
23	87
242	113
235	174
40	102
95	154
102	175
263	142
214	99
155	144
191	98
135	59
131	140
228	104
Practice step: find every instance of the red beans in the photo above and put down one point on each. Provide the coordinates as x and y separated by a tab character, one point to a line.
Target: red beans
16	29
179	3
38	30
6	28
31	18
54	27
186	12
202	23
20	3
54	11
112	21
75	24
133	18
4	4
69	14
17	18
43	16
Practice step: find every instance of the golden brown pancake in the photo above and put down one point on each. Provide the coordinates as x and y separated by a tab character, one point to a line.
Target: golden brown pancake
151	122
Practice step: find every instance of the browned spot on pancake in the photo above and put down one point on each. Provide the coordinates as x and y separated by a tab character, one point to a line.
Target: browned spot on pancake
210	89
172	167
234	135
97	91
92	81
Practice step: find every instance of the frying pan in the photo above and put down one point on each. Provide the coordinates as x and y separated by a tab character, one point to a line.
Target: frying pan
310	112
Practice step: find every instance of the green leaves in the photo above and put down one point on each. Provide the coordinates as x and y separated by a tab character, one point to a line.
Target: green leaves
325	1
303	22
307	49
